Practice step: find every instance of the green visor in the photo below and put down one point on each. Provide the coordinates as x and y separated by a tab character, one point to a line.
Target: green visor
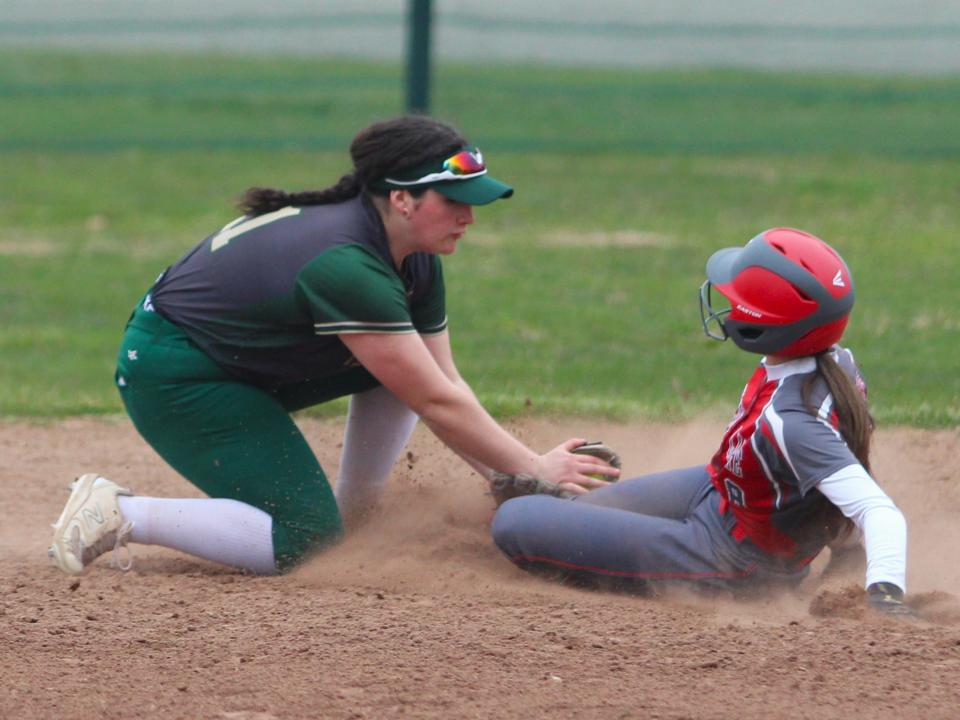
462	177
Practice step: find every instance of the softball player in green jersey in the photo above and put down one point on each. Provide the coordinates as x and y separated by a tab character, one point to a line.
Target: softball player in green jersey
306	297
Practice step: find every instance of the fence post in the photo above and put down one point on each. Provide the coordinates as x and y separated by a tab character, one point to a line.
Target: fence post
418	57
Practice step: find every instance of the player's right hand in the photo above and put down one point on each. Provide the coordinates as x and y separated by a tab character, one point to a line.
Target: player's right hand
576	472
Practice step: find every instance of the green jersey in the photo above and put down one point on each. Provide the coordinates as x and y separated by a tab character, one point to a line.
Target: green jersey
267	296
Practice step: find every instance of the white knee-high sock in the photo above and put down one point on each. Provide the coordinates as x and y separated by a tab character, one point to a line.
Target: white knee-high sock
224	531
378	427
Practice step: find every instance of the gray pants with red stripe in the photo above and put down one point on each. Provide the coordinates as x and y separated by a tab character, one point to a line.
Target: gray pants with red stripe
635	534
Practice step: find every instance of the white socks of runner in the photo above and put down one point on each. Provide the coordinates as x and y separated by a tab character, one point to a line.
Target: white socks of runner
378	428
224	531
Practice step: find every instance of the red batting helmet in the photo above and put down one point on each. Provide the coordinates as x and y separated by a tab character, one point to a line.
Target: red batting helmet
790	294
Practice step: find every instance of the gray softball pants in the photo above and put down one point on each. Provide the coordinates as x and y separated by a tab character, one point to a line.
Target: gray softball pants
636	534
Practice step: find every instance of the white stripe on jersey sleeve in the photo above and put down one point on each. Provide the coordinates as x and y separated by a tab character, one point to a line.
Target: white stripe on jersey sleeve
823	412
883	526
353	327
365	323
435	329
823	415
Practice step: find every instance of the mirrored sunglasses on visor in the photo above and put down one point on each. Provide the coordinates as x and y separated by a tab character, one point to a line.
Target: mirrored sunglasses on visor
461	177
464	165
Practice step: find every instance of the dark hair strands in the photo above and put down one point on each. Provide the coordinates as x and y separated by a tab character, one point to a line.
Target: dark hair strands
853	413
378	151
855	425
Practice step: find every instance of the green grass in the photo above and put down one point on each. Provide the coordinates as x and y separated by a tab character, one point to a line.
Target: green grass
576	296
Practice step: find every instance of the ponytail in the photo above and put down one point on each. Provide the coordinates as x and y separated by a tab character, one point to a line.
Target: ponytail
378	151
257	201
855	426
853	414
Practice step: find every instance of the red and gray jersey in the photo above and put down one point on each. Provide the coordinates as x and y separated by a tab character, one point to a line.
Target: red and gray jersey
267	296
774	453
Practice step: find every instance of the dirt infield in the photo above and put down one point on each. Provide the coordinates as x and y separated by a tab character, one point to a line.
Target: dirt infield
419	616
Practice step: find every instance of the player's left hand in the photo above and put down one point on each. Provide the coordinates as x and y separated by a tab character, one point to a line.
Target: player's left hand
505	486
845	561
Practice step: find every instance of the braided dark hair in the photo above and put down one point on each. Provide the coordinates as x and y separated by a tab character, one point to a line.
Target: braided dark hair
383	149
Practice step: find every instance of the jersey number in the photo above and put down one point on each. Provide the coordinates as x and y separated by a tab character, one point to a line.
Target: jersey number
735	493
240	226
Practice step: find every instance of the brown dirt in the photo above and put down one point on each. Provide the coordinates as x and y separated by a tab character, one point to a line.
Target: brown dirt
419	616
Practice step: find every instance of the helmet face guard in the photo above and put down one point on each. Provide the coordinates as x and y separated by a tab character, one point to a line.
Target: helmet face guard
789	292
712	319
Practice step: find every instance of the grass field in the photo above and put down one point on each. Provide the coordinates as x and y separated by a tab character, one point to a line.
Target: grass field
576	296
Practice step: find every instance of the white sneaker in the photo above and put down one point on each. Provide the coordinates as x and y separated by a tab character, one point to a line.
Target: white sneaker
89	525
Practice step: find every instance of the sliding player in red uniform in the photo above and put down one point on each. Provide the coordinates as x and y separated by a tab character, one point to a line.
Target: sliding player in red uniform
791	476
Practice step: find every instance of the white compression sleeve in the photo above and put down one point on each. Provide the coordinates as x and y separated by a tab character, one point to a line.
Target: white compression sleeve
221	530
884	528
378	428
